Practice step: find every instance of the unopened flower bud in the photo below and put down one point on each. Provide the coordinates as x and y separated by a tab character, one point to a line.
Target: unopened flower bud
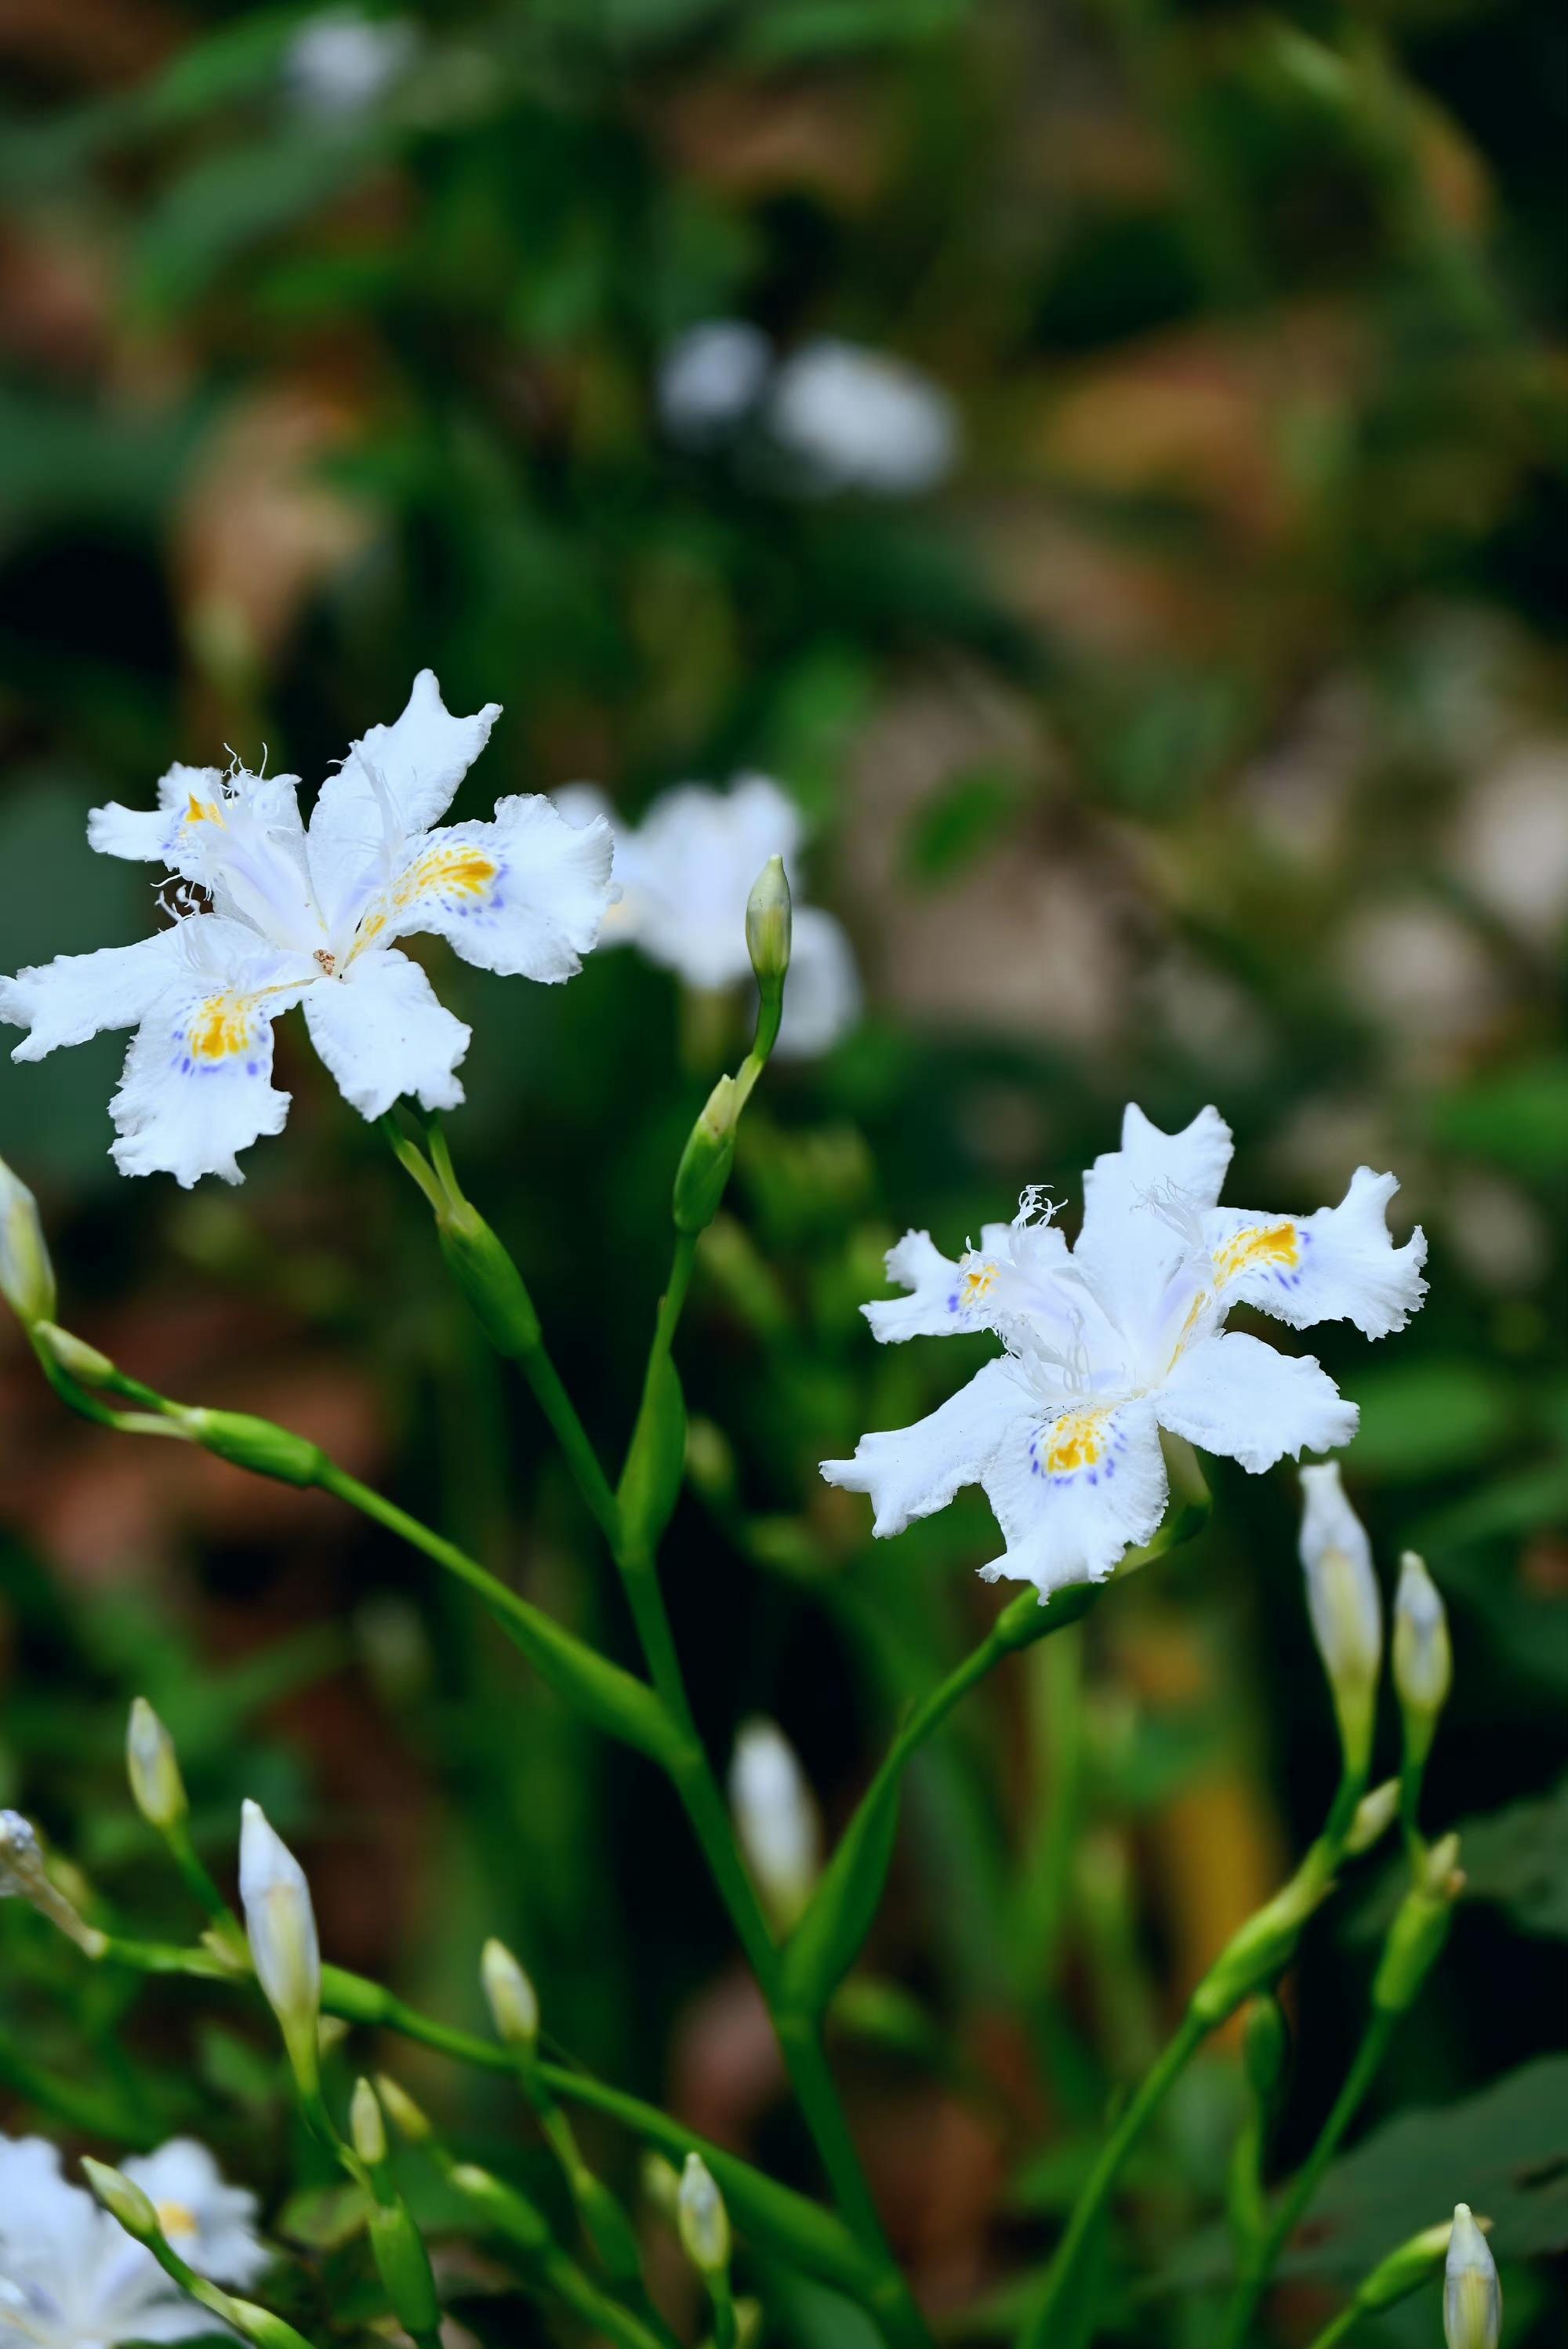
1423	1654
1419	1928
72	1354
281	1924
123	2199
1405	2269
1342	1600
484	1271
1473	2297
1265	2045
705	1160
702	2218
366	2126
26	1276
661	2183
23	1876
251	1443
510	2212
1375	1814
403	2263
767	926
153	1768
776	1820
513	2001
408	2120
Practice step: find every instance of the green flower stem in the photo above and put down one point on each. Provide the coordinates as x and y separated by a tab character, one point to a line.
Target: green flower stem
176	1834
1052	2314
1287	2210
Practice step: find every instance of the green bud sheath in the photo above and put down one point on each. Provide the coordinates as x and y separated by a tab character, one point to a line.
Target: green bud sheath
404	2265
490	1280
253	1444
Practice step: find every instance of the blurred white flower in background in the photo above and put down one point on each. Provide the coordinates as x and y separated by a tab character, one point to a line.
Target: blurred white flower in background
839	415
71	2278
776	1819
1510	846
859	420
711	377
686	873
340	61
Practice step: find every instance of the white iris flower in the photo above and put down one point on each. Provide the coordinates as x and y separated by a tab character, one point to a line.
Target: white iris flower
274	913
686	873
1121	1336
70	2278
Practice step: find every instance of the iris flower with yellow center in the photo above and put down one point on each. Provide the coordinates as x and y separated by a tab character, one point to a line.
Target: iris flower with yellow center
274	913
1121	1335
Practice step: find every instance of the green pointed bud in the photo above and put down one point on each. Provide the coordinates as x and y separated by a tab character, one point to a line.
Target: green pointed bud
1473	2297
702	2219
261	2325
73	1355
1423	1654
1342	1600
1265	2048
408	2120
122	2199
1404	2270
1375	1814
705	1160
366	2125
281	1924
661	2184
512	2001
484	1271
710	1461
776	1819
404	2265
24	1877
1419	1928
508	2211
152	1767
768	924
26	1276
250	1443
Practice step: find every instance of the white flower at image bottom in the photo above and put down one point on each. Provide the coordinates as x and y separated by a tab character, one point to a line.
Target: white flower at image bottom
1121	1335
309	916
686	873
71	2278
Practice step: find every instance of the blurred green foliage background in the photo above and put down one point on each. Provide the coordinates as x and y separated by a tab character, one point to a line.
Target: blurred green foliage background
1202	735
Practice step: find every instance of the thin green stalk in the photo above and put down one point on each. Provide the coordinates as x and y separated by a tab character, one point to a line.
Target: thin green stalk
1337	2331
1088	2213
1287	2210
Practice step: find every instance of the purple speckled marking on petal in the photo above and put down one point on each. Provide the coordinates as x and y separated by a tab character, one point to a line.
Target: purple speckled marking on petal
252	1069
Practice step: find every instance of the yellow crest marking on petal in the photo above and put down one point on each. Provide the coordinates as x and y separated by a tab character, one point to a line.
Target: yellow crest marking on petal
1075	1442
977	1281
203	810
177	2219
1263	1246
222	1026
459	871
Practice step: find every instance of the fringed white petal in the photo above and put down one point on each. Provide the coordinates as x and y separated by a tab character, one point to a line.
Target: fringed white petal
1143	1206
77	996
1074	1493
396	782
523	895
1339	1264
382	1031
197	1084
1232	1394
912	1471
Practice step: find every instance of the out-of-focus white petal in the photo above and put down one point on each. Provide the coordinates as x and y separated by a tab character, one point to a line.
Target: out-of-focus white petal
689	868
1072	1493
197	1083
382	1031
822	992
709	378
209	2222
396	782
1338	1264
861	419
77	996
912	1471
1232	1394
523	895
